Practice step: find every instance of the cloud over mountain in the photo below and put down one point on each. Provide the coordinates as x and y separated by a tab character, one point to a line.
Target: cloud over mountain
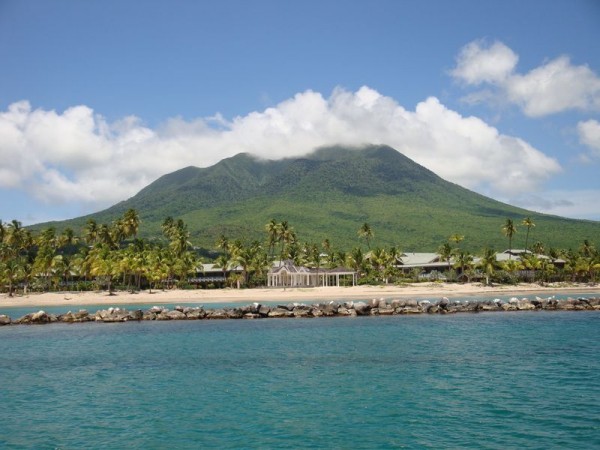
77	155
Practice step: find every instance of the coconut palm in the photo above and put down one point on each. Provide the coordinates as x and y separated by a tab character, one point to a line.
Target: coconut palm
3	231
356	260
445	252
11	272
272	229
91	231
457	239
380	261
587	249
287	237
529	224
546	269
366	232
130	223
488	264
509	229
538	248
512	266
464	262
532	264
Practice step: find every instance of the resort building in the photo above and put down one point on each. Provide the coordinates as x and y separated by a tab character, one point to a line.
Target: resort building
287	274
208	274
428	262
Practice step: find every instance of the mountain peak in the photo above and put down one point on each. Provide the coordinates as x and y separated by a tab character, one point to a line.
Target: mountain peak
329	193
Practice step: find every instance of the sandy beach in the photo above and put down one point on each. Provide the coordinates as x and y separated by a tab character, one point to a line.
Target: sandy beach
417	290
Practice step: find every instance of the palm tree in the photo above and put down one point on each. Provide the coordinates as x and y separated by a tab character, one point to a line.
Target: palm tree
286	236
464	262
457	239
509	230
356	260
67	238
380	261
529	224
532	264
488	264
587	249
91	231
12	271
2	231
366	232
131	223
538	248
445	252
512	266
272	229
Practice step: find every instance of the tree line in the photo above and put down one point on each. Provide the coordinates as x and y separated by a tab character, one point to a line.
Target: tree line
109	256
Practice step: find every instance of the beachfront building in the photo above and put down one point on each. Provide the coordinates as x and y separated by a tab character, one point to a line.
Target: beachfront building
211	274
427	262
287	274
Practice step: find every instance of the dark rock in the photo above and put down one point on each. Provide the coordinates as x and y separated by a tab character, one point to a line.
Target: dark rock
361	308
264	310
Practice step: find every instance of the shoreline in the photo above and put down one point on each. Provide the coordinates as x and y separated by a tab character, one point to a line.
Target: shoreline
214	296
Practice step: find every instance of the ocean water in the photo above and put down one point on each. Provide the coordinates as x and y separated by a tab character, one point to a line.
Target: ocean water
495	380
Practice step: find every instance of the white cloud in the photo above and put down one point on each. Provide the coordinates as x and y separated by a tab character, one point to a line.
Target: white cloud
553	87
589	135
476	64
77	156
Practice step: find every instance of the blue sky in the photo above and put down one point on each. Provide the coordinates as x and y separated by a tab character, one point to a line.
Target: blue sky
99	98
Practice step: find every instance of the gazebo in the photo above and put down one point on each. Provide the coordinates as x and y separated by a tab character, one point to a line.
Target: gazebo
287	274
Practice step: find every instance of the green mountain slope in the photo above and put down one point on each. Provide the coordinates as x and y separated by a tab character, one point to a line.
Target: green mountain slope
330	194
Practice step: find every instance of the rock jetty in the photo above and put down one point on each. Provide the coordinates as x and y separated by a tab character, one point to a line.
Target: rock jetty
374	307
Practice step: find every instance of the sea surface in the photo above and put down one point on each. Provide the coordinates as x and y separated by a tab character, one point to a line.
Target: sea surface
488	380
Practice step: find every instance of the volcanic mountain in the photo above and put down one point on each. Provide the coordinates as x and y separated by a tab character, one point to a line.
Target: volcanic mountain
329	194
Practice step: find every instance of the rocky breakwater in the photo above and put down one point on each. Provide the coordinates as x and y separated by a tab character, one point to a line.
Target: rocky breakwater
374	307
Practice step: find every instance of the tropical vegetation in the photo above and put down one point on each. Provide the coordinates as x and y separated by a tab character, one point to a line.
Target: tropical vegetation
329	194
112	256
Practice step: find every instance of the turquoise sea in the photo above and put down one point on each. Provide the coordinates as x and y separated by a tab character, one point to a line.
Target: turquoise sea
487	380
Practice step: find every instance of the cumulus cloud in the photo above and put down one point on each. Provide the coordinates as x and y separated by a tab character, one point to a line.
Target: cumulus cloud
478	64
553	87
77	156
589	135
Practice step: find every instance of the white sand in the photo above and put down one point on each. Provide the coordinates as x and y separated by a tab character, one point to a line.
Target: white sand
246	296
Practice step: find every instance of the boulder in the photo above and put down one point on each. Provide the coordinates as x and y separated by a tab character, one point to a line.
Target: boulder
216	314
361	308
5	320
252	316
196	313
302	312
280	312
387	310
176	315
234	313
264	310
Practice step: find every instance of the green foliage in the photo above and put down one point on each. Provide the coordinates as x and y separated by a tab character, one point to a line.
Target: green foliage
329	195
